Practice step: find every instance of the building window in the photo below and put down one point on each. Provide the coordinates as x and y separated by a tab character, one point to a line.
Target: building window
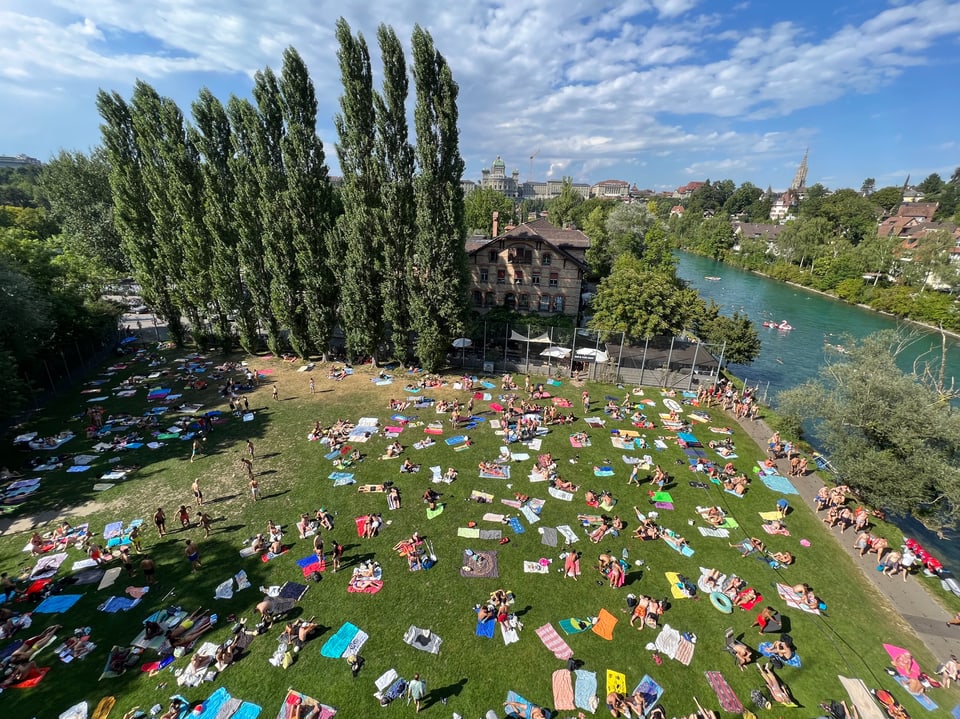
520	255
484	274
524	301
518	278
492	256
554	279
558	303
510	301
547	259
478	298
491	299
544	303
535	278
501	276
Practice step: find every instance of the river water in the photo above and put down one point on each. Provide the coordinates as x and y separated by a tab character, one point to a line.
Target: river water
790	358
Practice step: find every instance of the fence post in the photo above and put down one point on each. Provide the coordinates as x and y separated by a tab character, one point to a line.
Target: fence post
693	369
573	351
669	360
643	362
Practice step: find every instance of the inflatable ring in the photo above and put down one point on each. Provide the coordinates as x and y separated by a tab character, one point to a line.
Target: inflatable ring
721	602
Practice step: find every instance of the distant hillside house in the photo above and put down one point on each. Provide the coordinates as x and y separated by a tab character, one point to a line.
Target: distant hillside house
15	161
757	231
911	194
534	267
909	215
611	190
784	206
685	191
677	211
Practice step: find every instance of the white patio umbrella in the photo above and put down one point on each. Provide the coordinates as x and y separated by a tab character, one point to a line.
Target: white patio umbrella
558	352
462	342
592	355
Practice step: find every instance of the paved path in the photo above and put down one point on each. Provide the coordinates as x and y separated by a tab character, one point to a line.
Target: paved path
921	612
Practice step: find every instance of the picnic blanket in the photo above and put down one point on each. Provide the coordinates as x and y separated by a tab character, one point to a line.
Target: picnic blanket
794	600
422	639
56	603
616	682
861	697
554	642
539	567
604	625
486	628
922	699
720	532
569	536
563	699
301	705
650	691
585	690
516	699
728	700
778	483
479	564
548	536
347	640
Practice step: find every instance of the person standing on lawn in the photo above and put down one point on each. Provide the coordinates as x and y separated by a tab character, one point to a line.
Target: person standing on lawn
417	691
192	552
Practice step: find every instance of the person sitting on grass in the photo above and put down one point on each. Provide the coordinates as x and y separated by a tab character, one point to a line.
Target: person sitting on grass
408	466
740	651
784	558
22	672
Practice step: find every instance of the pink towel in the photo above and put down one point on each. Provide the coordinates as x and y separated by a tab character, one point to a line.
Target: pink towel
554	642
563	699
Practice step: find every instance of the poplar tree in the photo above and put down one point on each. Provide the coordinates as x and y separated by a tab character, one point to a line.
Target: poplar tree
132	215
398	219
439	272
287	295
309	204
360	241
248	220
212	139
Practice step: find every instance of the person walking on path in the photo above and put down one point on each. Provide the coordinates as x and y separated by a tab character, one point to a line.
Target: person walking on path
192	552
417	691
197	492
160	521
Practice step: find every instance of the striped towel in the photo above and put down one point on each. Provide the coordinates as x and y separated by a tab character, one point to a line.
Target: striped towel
585	691
554	642
563	691
685	652
728	700
714	532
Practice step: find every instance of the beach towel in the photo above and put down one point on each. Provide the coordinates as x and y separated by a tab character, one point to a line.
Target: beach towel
766	649
685	651
861	697
109	577
493	516
337	644
516	526
574	625
569	536
578	444
486	628
548	536
675	590
310	564
554	642
685	549
595	422
340	475
895	652
563	691
510	630
514	698
922	699
650	691
616	682
536	567
529	514
668	641
57	603
585	690
604	625
502	472
519	456
33	680
457	439
728	700
469	532
47	566
118	604
479	564
268	556
794	600
370	586
603	471
714	532
422	639
435	512
778	483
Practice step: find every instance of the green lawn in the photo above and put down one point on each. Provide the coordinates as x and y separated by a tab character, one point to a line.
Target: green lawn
472	673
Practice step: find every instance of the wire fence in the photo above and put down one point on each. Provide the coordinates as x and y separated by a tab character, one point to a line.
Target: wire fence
585	354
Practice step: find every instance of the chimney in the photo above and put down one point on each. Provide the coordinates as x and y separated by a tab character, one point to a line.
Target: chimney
496	224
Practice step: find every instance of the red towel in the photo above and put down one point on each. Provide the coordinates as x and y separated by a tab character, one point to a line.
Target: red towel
554	642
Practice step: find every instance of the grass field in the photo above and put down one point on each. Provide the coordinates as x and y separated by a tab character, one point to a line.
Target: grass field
471	673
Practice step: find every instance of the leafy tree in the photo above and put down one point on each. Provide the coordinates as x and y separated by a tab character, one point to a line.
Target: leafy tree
658	254
561	207
887	198
213	140
893	435
868	187
579	214
133	216
850	215
359	227
813	200
309	203
76	188
480	205
877	254
627	225
641	303
440	277
931	187
598	253
714	237
396	161
248	222
742	200
736	335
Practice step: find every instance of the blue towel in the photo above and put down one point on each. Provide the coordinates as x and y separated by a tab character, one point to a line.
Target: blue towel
118	604
486	629
341	475
766	649
513	697
925	701
687	437
213	704
651	692
247	711
585	689
134	445
455	440
778	483
77	468
57	603
516	526
332	455
112	528
333	648
487	385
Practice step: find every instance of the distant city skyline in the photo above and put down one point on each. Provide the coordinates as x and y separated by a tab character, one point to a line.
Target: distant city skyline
653	92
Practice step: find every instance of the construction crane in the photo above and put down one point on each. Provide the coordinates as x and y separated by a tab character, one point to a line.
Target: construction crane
532	158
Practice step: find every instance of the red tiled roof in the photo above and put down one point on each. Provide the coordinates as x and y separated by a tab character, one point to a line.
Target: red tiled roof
926	210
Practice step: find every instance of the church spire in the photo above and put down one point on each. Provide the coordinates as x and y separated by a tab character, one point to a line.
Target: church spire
800	179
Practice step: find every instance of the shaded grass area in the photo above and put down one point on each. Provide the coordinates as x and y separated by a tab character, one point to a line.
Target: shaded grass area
472	673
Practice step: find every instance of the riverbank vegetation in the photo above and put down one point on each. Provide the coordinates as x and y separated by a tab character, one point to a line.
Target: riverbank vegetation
891	433
833	243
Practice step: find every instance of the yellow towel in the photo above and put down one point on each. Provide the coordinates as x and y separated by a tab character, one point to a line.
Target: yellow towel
616	682
674	580
770	515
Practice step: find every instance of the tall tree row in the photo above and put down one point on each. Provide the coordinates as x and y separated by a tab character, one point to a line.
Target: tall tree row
233	219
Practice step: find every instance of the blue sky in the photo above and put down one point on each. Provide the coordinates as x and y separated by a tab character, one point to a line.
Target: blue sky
655	92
